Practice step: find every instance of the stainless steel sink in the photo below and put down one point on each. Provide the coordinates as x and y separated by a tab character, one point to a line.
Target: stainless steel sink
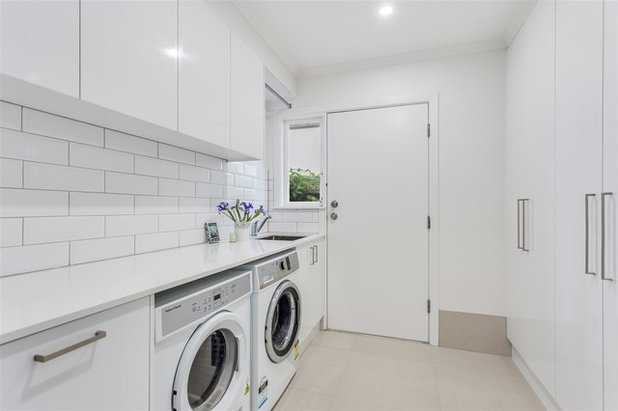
282	237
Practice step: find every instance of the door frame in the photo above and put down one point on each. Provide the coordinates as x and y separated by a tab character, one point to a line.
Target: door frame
432	101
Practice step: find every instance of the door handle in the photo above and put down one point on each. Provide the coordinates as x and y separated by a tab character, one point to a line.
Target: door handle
521	223
334	204
604	237
98	335
333	216
587	234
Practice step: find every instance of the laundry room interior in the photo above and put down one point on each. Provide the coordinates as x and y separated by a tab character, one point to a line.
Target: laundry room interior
308	205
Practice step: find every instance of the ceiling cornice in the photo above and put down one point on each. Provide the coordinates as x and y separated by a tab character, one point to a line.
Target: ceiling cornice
518	20
407	58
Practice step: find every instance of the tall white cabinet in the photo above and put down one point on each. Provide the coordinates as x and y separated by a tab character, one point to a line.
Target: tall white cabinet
562	156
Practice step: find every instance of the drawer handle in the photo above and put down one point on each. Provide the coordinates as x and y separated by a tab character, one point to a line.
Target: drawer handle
44	358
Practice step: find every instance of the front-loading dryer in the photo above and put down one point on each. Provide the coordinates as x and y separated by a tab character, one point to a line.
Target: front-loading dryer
275	327
202	345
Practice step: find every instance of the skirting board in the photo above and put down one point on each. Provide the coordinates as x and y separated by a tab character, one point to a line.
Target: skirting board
545	397
474	332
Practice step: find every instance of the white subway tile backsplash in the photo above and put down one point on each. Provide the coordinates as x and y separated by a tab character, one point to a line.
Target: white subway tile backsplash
307	227
23	259
193	173
45	124
101	249
208	190
10	232
131	224
100	204
152	242
84	193
53	177
282	227
53	229
125	142
213	163
218	177
81	155
190	237
155	167
10	115
234	193
298	216
235	168
243	181
176	222
129	184
24	146
27	203
156	205
176	188
179	155
10	173
194	205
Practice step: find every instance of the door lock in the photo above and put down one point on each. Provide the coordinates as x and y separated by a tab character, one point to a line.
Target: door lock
334	204
333	216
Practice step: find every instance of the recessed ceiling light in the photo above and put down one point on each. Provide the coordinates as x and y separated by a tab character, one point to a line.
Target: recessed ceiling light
385	11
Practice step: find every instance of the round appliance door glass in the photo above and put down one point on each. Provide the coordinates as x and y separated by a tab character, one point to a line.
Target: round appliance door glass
282	321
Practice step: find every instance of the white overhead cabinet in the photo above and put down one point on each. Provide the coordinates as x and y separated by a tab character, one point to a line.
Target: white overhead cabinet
204	74
40	43
247	100
100	362
562	312
129	58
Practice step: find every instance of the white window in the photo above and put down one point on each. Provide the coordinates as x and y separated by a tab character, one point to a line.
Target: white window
299	180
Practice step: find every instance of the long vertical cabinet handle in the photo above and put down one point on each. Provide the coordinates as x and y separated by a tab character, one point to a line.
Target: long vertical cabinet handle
604	241
522	204
587	216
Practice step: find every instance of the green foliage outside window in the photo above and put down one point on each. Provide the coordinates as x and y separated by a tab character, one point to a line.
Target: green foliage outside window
304	185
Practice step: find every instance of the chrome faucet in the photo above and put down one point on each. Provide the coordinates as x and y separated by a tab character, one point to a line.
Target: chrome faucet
255	228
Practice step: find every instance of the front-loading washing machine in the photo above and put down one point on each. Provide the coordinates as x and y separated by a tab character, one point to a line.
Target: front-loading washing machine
275	327
202	345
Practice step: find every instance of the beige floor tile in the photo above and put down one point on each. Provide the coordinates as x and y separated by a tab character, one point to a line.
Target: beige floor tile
335	339
321	369
482	363
298	400
393	348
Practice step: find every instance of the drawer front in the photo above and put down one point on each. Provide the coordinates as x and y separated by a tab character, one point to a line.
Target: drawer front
110	373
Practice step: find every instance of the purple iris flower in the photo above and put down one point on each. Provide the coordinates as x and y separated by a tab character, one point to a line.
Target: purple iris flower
222	206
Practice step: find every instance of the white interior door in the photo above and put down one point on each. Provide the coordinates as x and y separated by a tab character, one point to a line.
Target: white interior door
378	248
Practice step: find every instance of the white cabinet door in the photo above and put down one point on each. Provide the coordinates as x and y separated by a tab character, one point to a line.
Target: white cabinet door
129	58
530	175
579	322
108	374
40	43
311	259
610	185
204	74
247	100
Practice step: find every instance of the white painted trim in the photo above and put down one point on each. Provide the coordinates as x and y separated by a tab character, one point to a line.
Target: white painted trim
434	178
545	397
423	55
518	20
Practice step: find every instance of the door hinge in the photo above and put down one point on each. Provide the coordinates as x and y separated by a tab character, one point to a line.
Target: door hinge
428	129
428	222
428	306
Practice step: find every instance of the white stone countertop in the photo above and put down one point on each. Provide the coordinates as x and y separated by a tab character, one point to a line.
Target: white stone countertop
36	301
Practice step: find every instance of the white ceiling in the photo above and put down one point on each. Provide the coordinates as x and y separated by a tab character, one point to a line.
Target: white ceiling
308	35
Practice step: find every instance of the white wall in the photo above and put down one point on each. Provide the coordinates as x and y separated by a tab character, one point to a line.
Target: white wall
471	128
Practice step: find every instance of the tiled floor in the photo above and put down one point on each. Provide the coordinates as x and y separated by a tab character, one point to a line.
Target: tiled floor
342	371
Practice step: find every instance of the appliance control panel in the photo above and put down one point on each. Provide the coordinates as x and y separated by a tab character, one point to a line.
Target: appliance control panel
193	302
276	268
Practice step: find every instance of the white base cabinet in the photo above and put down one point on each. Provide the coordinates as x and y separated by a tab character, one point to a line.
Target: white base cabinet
312	274
111	373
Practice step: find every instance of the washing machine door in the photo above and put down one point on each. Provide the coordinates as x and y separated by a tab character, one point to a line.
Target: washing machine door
282	321
209	373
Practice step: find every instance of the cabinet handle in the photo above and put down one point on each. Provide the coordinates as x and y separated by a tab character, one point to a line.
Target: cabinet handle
521	223
587	233
317	255
98	335
312	255
603	235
